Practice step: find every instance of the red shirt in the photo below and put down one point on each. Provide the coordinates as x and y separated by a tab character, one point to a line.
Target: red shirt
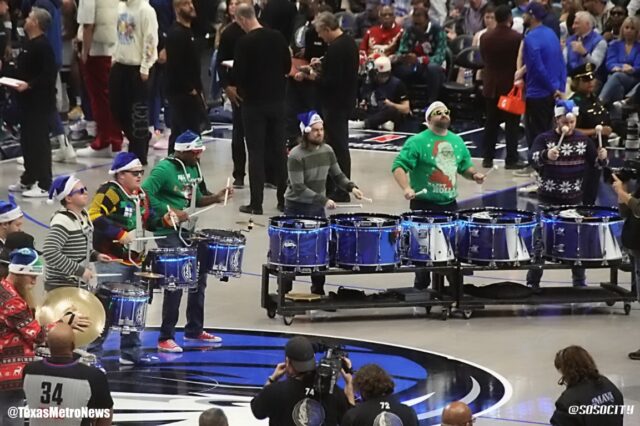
380	41
19	333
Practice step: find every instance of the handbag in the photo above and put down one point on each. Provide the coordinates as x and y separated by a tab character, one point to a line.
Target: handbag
513	102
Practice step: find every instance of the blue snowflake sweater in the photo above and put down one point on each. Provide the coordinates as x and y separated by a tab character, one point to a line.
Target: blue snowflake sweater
560	181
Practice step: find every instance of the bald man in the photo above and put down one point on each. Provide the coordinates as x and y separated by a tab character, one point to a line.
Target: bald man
74	386
457	414
213	417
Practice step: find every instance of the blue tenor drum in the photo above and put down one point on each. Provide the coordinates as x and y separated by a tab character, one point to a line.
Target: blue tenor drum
366	241
299	243
429	238
494	236
178	265
126	306
221	252
587	235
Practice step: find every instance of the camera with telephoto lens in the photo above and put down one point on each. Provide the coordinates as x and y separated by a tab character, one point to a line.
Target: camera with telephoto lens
329	367
629	170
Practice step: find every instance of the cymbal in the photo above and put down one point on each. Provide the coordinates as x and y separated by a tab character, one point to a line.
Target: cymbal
148	274
59	301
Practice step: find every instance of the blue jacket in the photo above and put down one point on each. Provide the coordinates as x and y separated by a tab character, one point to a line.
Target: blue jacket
574	60
546	70
54	33
616	56
166	17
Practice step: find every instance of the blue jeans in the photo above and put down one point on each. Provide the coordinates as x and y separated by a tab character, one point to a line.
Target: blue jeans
616	87
158	98
129	342
171	302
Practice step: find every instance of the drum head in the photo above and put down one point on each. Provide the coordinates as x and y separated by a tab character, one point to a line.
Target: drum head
583	213
427	216
298	222
177	251
123	289
365	220
223	236
496	215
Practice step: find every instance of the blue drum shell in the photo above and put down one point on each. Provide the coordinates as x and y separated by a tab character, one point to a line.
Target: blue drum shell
298	243
125	305
421	244
222	253
178	265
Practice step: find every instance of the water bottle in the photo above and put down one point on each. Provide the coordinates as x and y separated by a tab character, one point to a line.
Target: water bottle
632	142
468	78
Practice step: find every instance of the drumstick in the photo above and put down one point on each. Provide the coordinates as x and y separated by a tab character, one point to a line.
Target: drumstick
367	199
599	132
173	221
490	170
422	191
565	130
348	206
226	191
107	275
144	238
202	210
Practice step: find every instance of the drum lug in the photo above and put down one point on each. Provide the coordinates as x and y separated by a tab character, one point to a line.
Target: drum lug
559	231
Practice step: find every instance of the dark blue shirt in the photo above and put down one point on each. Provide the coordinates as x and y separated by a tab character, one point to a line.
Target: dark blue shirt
546	70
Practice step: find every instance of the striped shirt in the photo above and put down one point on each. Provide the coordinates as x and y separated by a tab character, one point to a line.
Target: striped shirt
308	170
66	247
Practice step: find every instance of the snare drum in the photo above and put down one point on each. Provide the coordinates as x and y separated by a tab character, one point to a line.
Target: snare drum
126	306
178	265
366	241
299	243
586	235
221	252
491	235
429	238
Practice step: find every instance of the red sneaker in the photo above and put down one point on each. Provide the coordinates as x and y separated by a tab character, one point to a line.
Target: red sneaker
169	346
205	337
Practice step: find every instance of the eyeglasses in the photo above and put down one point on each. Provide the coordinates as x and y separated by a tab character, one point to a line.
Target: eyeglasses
79	191
136	173
440	112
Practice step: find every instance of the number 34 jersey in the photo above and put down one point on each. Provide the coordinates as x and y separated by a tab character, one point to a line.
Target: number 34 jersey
65	384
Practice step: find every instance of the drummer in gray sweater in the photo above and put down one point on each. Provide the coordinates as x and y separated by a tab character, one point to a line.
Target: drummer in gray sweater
308	166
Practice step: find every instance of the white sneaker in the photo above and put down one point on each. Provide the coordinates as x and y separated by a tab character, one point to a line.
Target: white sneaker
84	126
356	124
66	153
18	187
529	189
388	126
89	152
78	126
20	160
35	192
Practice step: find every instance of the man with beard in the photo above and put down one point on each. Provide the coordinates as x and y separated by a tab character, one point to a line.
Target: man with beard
184	87
427	168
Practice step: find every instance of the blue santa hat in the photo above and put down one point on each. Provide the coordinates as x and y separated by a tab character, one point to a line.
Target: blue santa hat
25	261
61	187
124	161
308	119
564	107
189	141
9	211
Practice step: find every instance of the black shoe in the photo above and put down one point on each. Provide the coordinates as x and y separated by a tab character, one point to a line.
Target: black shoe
515	166
269	185
317	290
635	355
238	183
280	208
250	210
487	164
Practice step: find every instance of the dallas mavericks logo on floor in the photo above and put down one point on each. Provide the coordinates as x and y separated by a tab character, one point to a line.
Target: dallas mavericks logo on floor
180	386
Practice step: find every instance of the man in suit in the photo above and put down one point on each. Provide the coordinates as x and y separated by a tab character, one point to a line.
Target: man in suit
499	51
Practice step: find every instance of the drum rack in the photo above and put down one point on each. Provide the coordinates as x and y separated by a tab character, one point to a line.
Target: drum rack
276	303
451	299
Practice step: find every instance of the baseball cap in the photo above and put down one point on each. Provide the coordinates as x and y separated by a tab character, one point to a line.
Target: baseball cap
301	355
536	10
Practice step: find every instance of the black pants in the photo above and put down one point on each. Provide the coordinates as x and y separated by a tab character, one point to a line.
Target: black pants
36	146
591	185
128	98
336	127
187	113
264	133
423	278
538	118
382	115
494	117
238	150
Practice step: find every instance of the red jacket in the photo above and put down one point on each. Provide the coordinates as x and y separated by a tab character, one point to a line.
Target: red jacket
19	333
380	41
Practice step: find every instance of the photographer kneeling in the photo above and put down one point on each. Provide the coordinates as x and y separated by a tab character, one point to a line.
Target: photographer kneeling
301	399
380	407
629	206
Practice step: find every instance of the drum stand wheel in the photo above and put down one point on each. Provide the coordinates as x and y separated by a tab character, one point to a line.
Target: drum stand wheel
610	303
427	309
444	315
287	320
627	308
271	312
467	313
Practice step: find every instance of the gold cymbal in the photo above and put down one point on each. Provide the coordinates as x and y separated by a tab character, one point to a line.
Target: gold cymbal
148	274
63	299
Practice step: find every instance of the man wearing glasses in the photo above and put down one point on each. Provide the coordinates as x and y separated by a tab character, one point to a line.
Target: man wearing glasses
114	212
427	168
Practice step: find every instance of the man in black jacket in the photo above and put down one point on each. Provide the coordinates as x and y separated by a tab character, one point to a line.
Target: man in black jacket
184	87
280	15
261	62
37	102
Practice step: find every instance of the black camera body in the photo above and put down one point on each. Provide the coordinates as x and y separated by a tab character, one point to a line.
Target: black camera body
629	170
329	367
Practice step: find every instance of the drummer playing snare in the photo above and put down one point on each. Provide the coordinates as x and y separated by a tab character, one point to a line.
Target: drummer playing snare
427	169
308	166
120	212
175	183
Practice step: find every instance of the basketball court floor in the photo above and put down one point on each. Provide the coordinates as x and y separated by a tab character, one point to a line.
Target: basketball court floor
500	361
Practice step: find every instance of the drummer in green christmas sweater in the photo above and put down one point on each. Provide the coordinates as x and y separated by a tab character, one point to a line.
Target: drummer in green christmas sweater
175	183
427	169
